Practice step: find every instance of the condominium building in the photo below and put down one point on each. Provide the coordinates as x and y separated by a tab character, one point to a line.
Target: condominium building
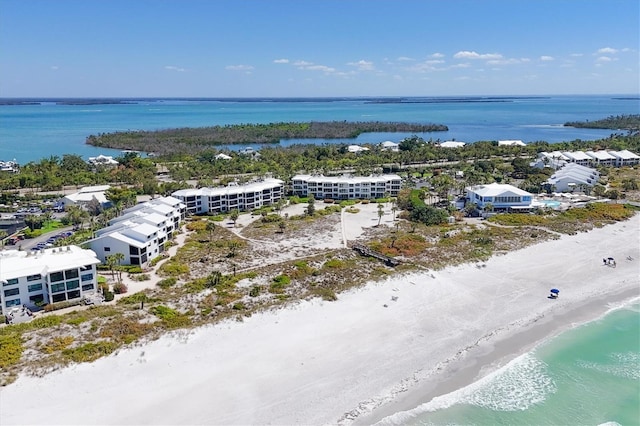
46	276
347	187
500	196
141	232
250	196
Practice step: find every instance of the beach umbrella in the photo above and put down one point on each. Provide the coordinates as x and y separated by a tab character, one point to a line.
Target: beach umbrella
555	291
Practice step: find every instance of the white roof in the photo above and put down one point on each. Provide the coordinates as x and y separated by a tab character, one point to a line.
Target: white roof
452	144
357	148
389	144
625	154
346	179
495	189
600	155
577	155
124	238
553	155
231	189
222	156
17	263
577	171
511	143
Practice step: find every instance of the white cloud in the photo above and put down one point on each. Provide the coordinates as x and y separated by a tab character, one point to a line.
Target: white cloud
174	68
604	59
310	66
436	55
55	67
466	54
404	59
238	67
576	55
434	61
506	61
607	51
546	58
362	65
281	61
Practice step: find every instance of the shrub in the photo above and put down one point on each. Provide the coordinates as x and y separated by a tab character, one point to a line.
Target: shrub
141	277
334	263
58	343
326	294
174	269
132	269
120	288
255	291
279	283
135	298
108	296
239	306
197	226
170	317
90	351
10	349
167	282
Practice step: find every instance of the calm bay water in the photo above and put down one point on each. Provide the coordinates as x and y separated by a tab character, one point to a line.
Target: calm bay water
32	132
589	375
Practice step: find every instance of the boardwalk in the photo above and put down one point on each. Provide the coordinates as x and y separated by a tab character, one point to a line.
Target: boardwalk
366	251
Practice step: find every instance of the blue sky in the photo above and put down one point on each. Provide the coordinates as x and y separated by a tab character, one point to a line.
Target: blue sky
283	48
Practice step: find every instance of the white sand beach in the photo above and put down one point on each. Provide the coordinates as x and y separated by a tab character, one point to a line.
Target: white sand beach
375	351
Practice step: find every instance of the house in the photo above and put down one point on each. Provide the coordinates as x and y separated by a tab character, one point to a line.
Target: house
9	166
46	276
250	196
452	144
390	146
347	187
501	196
85	195
511	143
103	160
357	148
222	156
571	176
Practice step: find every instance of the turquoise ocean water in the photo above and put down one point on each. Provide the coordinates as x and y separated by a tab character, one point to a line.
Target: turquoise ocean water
589	375
32	132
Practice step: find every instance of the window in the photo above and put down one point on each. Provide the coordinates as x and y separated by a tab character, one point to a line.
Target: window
86	268
34	277
59	297
87	287
36	298
35	287
57	288
14	302
11	292
71	273
133	250
73	294
73	284
86	277
107	249
56	276
11	281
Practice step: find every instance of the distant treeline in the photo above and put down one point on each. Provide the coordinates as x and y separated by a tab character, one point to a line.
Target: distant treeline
192	140
617	122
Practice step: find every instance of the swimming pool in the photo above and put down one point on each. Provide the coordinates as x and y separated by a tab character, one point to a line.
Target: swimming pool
552	204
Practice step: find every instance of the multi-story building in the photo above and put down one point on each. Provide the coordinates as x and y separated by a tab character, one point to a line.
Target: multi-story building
46	276
141	232
250	196
347	187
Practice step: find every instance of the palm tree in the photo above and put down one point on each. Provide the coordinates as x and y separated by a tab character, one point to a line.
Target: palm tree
380	213
234	215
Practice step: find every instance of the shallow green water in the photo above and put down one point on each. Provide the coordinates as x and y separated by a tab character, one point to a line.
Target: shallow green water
589	375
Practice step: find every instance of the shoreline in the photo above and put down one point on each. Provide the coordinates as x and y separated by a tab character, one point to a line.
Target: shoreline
492	357
372	352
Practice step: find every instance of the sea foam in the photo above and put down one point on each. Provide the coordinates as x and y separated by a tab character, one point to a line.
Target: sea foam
517	386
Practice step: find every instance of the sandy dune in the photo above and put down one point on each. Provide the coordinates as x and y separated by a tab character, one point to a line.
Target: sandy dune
371	353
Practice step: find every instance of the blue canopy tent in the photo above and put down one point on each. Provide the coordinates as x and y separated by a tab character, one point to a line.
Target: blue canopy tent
554	293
